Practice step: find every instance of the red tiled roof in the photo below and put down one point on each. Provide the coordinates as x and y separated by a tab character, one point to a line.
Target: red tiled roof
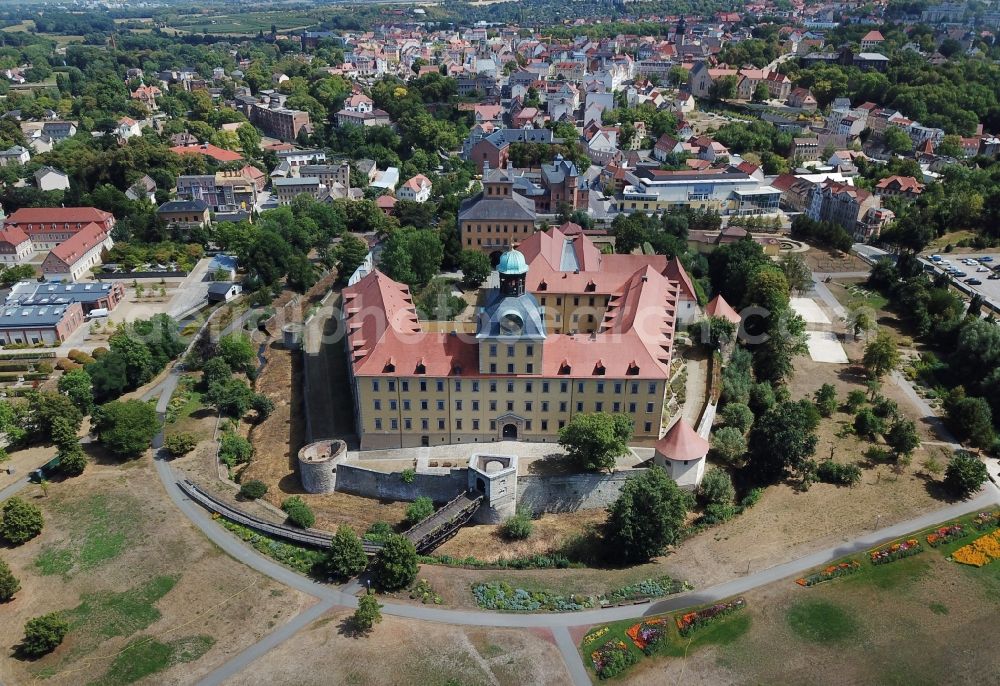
718	307
681	442
13	235
385	202
209	150
57	215
77	245
905	184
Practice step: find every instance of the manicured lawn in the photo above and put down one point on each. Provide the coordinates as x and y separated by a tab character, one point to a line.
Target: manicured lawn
819	621
907	613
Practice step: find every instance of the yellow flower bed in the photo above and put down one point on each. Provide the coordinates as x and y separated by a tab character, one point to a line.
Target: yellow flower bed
981	551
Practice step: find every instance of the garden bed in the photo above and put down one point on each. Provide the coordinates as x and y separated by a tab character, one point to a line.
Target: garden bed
834	571
690	622
895	551
502	596
980	552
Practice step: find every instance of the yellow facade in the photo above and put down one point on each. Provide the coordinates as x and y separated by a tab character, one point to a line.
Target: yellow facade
414	411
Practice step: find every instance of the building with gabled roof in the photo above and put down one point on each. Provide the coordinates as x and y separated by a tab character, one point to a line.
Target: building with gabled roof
77	255
49	324
516	379
496	217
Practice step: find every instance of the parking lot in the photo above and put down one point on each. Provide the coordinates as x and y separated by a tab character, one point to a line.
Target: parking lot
989	289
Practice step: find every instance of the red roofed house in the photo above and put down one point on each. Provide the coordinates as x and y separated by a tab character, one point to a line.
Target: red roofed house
905	186
74	257
15	246
872	40
682	453
386	203
254	176
49	226
208	150
417	189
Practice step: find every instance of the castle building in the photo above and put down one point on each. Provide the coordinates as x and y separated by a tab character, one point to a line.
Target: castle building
519	377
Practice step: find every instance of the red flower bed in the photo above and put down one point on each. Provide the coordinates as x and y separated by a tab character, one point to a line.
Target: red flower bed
692	621
945	534
831	572
895	551
646	635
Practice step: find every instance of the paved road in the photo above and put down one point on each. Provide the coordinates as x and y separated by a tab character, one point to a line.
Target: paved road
824	294
558	622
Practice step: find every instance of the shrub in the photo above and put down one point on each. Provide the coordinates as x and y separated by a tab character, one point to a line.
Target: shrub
408	475
299	514
262	405
253	489
844	474
752	497
72	460
396	563
368	613
9	585
965	474
419	509
43	634
729	444
22	521
180	444
346	557
716	488
234	449
738	416
867	424
855	399
518	527
379	532
826	399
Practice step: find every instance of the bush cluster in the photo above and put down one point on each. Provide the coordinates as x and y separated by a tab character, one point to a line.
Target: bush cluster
299	513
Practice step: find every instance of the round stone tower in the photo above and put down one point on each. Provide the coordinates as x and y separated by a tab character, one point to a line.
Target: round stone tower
318	465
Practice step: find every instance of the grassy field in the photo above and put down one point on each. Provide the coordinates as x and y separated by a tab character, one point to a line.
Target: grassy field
144	592
249	23
895	623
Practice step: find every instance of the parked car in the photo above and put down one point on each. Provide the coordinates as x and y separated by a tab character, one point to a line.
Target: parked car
935	258
974	282
986	259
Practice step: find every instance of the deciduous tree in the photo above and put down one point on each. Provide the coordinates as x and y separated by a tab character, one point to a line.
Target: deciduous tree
646	517
595	441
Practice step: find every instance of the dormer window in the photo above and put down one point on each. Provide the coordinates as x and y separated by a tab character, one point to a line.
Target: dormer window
421	367
633	369
599	368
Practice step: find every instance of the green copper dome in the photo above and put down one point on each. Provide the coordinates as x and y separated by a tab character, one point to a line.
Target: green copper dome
512	262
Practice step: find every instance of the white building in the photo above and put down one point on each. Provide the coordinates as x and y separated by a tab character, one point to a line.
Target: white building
49	179
417	189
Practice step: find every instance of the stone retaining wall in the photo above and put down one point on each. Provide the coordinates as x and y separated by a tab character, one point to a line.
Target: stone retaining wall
390	485
570	493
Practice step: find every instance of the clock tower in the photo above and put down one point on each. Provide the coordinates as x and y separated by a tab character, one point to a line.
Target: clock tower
510	328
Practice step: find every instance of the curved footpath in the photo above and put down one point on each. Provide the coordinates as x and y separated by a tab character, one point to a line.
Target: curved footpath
329	597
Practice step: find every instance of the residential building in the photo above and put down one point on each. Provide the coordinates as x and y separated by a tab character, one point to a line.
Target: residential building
223	291
841	203
416	189
299	158
128	128
805	149
363	118
14	155
279	122
15	246
899	186
872	41
208	150
49	179
185	214
77	255
44	324
496	217
285	190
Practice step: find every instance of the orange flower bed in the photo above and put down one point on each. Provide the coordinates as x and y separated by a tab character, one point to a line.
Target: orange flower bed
981	551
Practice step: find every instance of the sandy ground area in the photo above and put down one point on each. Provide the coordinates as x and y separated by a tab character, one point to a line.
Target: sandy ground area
404	652
113	531
825	347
